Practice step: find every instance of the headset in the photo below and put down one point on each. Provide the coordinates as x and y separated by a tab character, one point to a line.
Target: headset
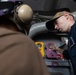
21	14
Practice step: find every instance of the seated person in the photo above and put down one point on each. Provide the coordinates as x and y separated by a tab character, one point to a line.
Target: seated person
18	53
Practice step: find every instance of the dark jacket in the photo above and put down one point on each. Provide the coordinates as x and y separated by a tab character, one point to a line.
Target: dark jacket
72	46
19	55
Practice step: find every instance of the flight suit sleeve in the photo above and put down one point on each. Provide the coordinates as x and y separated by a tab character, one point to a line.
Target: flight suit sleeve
65	54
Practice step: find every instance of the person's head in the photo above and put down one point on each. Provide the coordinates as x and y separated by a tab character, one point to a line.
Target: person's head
19	17
7	23
63	21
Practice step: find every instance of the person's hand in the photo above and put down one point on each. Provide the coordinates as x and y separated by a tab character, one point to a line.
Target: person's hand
54	47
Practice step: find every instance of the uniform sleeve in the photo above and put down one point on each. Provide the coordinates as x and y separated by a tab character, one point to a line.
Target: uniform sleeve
38	65
65	54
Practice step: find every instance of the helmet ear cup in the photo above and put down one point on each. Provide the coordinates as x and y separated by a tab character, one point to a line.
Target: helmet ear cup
23	15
